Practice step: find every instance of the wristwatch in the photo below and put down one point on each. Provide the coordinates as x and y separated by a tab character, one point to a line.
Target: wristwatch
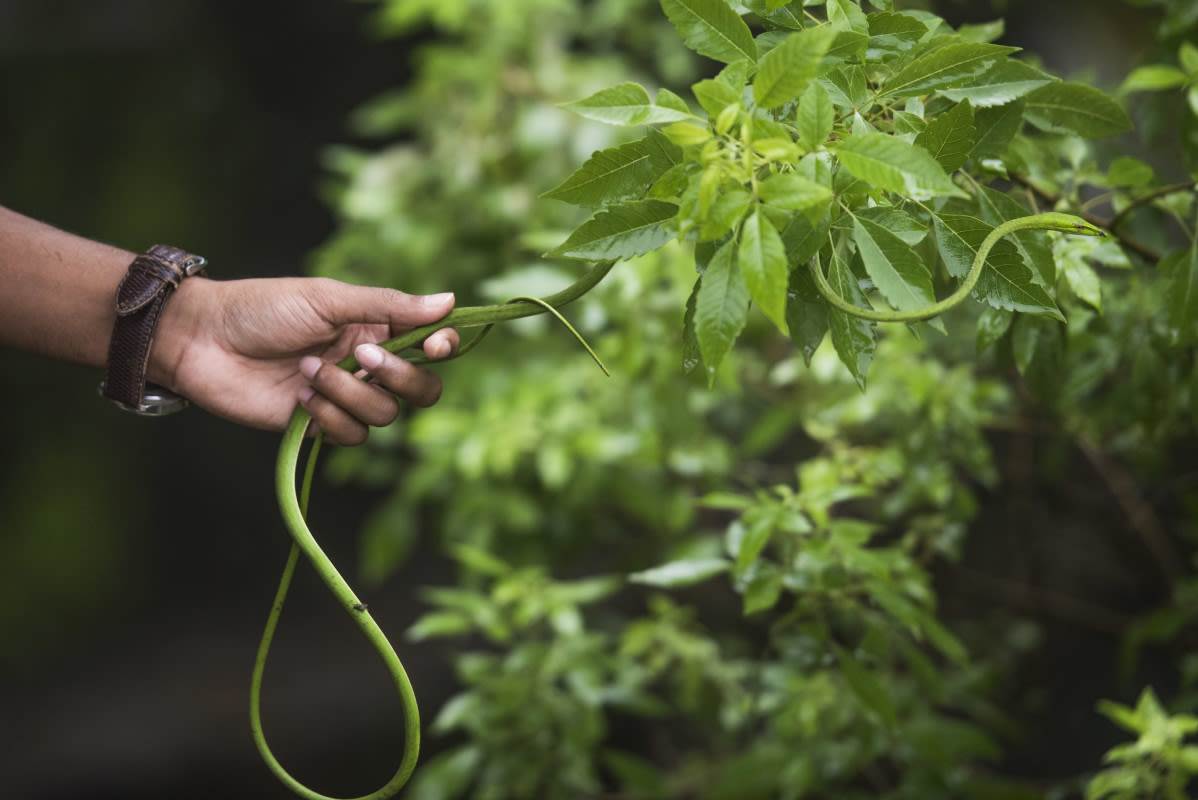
142	293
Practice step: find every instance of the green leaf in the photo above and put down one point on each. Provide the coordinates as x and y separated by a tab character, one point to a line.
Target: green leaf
715	96
896	166
996	127
721	307
711	28
1033	246
681	573
958	237
625	104
900	223
806	314
1006	281
446	774
1187	759
1153	77
763	591
1128	171
943	640
793	192
1076	108
736	74
1182	303
762	260
854	338
847	14
1187	54
815	117
945	68
692	356
1005	81
622	231
847	46
896	269
667	99
993	323
983	32
893	34
950	137
847	87
725	212
1083	280
479	560
787	70
611	175
440	623
754	540
684	134
1125	717
865	685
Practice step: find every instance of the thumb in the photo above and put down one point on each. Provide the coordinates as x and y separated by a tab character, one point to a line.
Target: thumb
344	303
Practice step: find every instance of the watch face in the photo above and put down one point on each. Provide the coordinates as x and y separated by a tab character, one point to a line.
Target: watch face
157	402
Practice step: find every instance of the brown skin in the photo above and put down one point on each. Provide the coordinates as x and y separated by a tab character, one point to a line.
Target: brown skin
245	350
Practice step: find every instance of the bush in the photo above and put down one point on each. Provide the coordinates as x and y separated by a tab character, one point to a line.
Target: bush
788	550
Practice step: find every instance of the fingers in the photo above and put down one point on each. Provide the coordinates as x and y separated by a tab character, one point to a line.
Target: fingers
344	303
344	407
442	344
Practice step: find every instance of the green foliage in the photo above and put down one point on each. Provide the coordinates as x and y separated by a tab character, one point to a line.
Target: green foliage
755	547
1157	764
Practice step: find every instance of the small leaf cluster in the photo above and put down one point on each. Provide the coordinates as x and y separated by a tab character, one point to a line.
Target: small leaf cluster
1158	764
839	140
534	711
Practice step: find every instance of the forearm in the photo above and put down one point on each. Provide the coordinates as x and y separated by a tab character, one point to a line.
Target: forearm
58	290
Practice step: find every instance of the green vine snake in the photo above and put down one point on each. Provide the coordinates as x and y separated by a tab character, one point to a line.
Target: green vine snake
293	503
1049	221
293	507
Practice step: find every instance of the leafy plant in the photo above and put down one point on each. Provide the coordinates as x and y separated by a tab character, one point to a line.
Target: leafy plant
756	548
1158	763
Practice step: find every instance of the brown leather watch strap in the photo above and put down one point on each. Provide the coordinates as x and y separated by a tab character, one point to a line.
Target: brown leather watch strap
142	293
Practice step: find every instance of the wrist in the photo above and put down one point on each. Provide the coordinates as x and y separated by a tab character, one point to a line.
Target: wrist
179	327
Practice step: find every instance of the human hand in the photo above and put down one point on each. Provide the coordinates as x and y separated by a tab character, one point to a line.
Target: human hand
249	350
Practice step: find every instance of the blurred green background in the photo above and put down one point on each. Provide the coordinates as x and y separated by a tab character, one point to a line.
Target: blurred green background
138	558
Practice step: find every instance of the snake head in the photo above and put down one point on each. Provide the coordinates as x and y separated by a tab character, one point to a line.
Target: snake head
1068	223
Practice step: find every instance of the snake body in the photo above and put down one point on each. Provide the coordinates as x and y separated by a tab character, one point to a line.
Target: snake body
293	504
293	508
1049	221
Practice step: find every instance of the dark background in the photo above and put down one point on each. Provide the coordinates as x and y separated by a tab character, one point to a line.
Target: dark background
138	557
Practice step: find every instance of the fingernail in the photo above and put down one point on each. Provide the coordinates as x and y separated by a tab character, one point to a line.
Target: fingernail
309	366
369	355
436	299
